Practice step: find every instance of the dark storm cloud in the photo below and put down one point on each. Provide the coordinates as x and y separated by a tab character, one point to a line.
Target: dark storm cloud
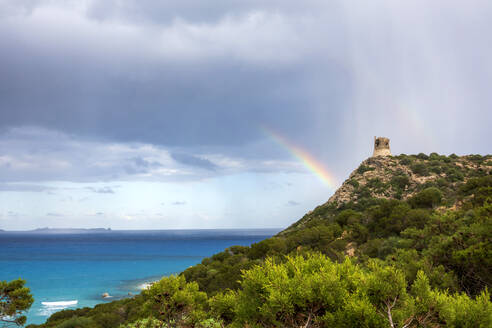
204	77
196	161
129	85
217	106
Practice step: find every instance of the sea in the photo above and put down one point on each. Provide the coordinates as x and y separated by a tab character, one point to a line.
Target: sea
73	269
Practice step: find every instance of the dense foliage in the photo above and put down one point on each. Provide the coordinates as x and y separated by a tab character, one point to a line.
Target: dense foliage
405	240
15	299
313	291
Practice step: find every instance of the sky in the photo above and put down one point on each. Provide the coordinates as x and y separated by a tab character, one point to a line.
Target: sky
225	113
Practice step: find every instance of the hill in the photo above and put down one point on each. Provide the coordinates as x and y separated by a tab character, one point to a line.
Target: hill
420	222
401	177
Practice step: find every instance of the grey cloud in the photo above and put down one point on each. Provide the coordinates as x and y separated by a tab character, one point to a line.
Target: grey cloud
38	155
293	203
205	77
101	190
54	214
164	12
179	203
192	160
174	102
138	165
140	162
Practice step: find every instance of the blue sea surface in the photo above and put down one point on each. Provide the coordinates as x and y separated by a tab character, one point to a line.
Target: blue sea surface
67	267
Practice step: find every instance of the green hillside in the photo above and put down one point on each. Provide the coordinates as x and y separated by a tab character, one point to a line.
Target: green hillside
404	242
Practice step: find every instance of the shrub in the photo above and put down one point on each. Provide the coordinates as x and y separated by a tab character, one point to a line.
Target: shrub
420	169
454	175
174	301
364	168
354	183
146	323
427	198
376	185
77	322
400	181
346	215
417	218
312	290
406	160
434	156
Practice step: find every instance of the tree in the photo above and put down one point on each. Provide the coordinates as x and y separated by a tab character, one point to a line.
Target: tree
312	291
427	198
176	302
15	298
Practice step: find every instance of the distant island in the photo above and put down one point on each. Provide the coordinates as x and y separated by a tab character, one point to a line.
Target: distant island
69	230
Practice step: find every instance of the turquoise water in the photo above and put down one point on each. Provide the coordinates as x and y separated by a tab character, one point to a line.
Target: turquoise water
69	267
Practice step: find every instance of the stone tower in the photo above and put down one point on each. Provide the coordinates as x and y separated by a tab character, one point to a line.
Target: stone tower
381	147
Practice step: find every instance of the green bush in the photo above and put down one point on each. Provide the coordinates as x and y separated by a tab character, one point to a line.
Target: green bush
400	181
344	216
427	198
77	322
353	183
434	156
312	290
406	160
454	175
146	323
364	168
420	169
174	301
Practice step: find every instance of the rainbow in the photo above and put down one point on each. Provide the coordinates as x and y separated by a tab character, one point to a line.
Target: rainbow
306	159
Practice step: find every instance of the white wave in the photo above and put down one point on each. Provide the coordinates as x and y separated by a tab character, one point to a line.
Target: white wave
60	303
51	307
146	285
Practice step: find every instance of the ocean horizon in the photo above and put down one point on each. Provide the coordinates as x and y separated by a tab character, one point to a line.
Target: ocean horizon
73	268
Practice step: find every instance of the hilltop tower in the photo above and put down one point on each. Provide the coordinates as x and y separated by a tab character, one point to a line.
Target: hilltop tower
381	147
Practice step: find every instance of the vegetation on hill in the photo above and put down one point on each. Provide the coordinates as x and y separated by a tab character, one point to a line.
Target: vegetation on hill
404	242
